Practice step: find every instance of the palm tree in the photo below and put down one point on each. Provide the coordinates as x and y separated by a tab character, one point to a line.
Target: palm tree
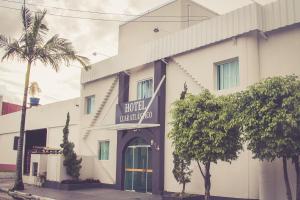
31	48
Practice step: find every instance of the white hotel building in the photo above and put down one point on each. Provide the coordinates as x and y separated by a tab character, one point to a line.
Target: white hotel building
223	53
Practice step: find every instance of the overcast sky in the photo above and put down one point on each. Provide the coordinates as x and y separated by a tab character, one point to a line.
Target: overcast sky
92	38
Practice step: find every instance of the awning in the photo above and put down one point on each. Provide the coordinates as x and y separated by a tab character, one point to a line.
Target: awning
120	127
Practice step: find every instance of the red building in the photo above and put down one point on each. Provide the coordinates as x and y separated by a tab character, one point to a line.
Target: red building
6	108
10	108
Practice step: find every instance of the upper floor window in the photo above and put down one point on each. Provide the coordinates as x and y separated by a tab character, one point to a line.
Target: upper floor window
90	104
145	89
228	75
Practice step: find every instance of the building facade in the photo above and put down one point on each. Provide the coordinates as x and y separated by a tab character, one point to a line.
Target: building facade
124	113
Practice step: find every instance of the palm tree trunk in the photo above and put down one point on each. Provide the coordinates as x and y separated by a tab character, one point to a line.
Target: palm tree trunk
19	185
286	179
297	169
207	181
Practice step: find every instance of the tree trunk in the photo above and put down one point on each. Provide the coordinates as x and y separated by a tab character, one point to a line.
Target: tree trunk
19	185
207	181
286	179
183	189
296	164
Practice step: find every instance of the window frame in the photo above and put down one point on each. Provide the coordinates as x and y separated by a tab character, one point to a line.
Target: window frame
86	104
99	149
217	73
137	87
16	143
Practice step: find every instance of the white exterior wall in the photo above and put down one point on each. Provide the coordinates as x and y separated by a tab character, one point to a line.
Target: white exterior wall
139	74
271	182
51	117
280	53
258	59
278	56
129	37
55	136
242	175
57	172
275	56
7	154
196	13
104	170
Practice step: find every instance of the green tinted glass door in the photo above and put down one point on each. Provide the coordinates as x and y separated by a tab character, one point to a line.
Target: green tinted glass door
138	172
128	172
140	165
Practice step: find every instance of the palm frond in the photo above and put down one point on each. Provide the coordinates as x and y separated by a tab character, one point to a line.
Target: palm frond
38	26
59	50
36	33
84	61
12	49
3	41
26	18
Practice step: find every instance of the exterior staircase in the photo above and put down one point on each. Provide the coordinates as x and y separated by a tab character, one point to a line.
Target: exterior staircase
187	73
101	106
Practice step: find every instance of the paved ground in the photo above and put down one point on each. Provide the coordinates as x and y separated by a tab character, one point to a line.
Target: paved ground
89	194
5	183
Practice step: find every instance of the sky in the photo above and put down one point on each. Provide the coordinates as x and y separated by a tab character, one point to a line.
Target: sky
94	39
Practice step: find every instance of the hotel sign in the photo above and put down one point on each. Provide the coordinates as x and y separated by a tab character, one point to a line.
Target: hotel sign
131	112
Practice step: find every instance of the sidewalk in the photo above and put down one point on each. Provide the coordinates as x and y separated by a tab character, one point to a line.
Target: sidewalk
88	194
4	184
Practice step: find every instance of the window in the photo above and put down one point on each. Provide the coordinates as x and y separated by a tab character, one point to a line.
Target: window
103	150
34	169
145	89
16	141
228	75
90	103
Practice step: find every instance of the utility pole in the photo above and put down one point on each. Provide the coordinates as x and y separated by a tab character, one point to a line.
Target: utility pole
188	15
26	41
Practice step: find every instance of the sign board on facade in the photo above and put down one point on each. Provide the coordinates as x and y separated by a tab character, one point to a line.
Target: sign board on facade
131	112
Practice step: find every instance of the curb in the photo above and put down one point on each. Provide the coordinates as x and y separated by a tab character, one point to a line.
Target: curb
28	196
23	195
4	190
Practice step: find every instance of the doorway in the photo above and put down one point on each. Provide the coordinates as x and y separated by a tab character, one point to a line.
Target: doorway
33	138
138	167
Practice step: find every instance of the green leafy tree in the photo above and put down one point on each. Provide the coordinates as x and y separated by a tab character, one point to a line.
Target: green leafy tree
31	48
181	170
270	111
72	164
206	130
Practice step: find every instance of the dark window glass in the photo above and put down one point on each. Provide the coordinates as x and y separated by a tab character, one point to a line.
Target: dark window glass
16	141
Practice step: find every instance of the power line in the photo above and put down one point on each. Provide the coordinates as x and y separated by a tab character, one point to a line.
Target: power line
101	13
102	19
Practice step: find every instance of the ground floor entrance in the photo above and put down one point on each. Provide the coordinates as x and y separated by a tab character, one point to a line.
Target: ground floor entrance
33	139
138	167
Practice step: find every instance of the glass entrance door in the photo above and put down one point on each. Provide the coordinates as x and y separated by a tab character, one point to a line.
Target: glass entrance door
138	168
